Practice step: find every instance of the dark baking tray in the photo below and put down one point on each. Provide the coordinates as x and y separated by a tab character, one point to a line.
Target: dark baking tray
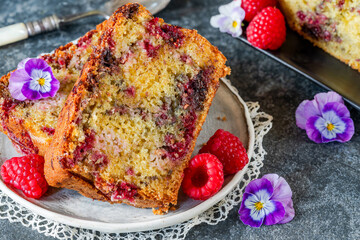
317	65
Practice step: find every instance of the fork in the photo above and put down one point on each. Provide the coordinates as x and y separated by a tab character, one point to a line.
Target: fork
21	31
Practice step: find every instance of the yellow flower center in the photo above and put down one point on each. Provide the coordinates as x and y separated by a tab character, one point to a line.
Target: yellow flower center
330	126
41	81
234	24
259	206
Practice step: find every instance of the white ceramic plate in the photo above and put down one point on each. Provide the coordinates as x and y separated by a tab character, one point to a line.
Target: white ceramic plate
69	207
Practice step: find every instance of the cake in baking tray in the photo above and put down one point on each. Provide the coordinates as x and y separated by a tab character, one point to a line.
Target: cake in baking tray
130	123
333	25
30	125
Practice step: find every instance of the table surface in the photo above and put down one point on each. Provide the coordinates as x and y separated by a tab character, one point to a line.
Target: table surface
324	178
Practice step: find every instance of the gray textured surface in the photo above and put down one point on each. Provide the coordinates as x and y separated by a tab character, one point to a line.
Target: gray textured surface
324	178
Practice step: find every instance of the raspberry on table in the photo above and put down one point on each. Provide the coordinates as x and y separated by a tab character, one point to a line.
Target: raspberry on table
27	174
253	7
267	30
228	149
204	177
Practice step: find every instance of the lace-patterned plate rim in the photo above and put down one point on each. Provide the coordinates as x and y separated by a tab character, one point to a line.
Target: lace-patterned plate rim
16	213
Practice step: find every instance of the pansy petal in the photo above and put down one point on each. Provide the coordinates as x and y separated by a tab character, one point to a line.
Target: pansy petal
17	79
263	195
339	108
249	200
331	117
289	212
245	217
218	20
44	94
282	191
259	184
349	132
226	25
15	91
312	132
321	124
54	88
235	32
51	93
305	110
55	85
21	64
19	76
238	14
228	8
35	63
300	116
276	215
48	69
323	98
28	93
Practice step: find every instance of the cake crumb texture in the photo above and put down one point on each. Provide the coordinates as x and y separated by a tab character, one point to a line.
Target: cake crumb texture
131	120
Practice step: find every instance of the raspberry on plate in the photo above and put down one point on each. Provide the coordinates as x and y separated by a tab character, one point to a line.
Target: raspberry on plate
203	177
27	174
228	149
253	7
267	30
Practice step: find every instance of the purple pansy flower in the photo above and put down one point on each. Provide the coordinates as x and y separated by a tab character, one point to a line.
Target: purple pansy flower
33	79
325	118
267	200
230	18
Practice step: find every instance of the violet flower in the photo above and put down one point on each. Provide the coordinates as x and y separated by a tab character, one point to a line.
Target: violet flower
33	79
230	18
267	200
325	118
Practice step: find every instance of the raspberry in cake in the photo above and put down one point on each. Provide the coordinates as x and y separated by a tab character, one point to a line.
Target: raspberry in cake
129	126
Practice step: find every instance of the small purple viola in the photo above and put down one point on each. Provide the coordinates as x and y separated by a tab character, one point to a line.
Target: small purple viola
325	118
267	200
33	79
230	18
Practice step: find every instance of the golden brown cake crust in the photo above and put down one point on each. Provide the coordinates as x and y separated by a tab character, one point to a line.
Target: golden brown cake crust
83	91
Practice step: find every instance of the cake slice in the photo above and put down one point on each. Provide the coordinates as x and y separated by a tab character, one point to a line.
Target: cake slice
30	125
333	25
130	123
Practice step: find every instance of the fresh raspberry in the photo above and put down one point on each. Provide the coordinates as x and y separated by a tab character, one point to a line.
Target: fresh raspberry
27	174
267	30
253	7
228	149
204	177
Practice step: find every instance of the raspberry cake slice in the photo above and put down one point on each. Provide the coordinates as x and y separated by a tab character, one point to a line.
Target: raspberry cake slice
333	25
30	125
130	124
